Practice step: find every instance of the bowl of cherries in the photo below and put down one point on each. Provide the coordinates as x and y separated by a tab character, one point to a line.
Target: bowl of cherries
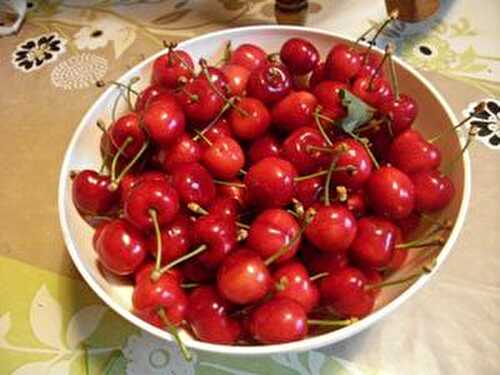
263	189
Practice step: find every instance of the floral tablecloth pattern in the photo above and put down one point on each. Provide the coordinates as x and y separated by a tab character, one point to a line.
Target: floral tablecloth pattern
52	323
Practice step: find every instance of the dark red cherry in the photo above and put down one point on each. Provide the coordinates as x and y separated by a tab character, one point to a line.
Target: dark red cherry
183	150
318	75
224	158
398	255
373	277
172	69
151	195
164	121
263	147
296	149
390	193
196	271
225	207
402	112
194	184
318	261
278	321
250	120
271	231
149	93
121	247
175	239
237	78
333	228
249	56
327	93
294	111
299	55
433	190
354	156
309	191
269	83
270	182
124	128
411	153
342	63
409	224
234	191
90	193
356	203
243	277
374	91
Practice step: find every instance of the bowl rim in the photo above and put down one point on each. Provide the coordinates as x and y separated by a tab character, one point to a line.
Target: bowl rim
296	346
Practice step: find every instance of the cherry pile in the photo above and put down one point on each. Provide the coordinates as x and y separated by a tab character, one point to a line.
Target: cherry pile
263	198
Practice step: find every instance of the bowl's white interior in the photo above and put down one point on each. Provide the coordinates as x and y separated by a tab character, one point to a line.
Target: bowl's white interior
83	152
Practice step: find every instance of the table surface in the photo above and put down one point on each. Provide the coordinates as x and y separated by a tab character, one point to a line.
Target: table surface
51	322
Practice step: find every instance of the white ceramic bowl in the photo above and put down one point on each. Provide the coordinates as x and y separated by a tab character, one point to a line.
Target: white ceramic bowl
434	116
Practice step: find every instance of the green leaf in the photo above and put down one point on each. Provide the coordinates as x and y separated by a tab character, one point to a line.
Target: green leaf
358	112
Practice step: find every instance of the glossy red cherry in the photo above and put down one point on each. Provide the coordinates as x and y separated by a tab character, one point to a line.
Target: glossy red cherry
127	127
374	244
172	69
411	153
194	184
219	129
208	317
318	261
270	182
409	224
333	228
271	231
370	66
327	93
299	55
237	78
151	195
294	111
402	112
398	255
249	56
175	239
278	321
165	293
164	121
373	277
90	193
217	77
224	158
433	190
318	75
292	281
297	149
353	156
263	147
121	247
390	193
183	150
356	203
218	233
269	83
345	291
97	233
149	93
225	207
309	191
234	191
342	63
250	120
243	277
131	180
374	91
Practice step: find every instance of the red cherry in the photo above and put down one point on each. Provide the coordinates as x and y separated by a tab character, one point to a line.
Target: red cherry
263	147
294	111
175	240
318	75
237	78
409	224
207	316
356	157
375	94
224	158
196	271
296	149
374	244
165	293
218	234
217	77
194	184
172	69
243	277
147	196
271	231
398	255
333	228
249	56
390	193
411	153
97	233
127	127
373	277
293	282
278	321
309	191
433	190
402	112
270	182
250	120
234	191
345	291
149	93
327	93
299	55
342	63
90	193
183	150
219	129
164	121
370	66
269	83
131	180
381	141
225	207
356	203
121	247
318	261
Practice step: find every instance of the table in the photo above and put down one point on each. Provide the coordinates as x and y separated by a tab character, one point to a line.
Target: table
52	323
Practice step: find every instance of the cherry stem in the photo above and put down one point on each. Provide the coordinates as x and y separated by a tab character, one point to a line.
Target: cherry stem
173	53
212	123
421	243
197	209
317	116
364	142
115	182
329	179
425	270
389	49
242	234
227	183
446	225
119	152
192	97
470	136
379	67
174	331
190	285
199	135
341	193
309	217
157	274
336	323
319	276
312	175
364	35
127	87
298	208
394	15
154	218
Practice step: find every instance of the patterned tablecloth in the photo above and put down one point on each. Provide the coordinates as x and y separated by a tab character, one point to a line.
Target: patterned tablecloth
52	323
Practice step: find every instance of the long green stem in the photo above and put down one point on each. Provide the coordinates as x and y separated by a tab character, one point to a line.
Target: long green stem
364	142
159	248
130	165
319	276
317	117
425	270
174	331
227	183
479	108
421	243
336	323
119	153
328	181
183	258
312	175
